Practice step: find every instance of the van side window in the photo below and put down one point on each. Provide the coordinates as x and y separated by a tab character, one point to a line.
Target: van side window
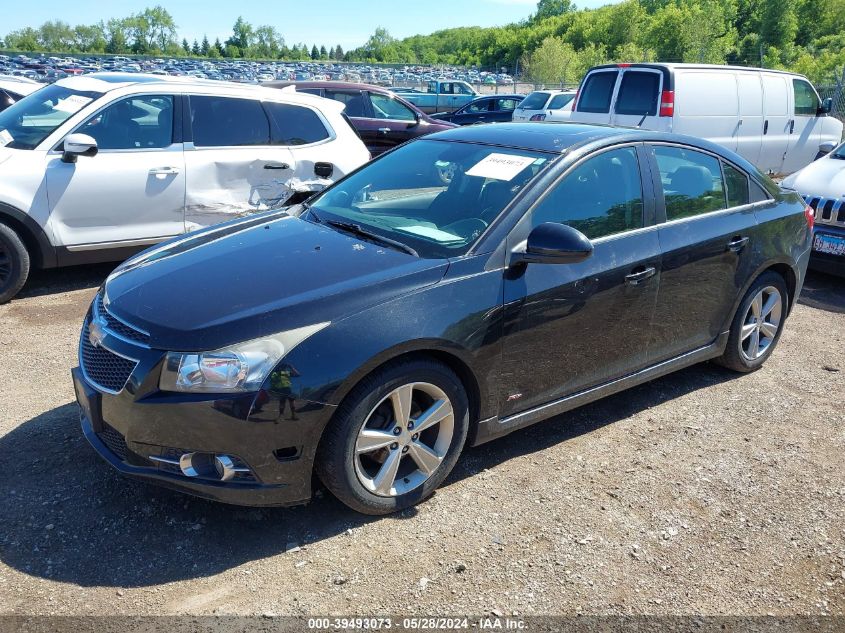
227	122
737	185
295	125
638	93
584	201
806	100
692	182
597	92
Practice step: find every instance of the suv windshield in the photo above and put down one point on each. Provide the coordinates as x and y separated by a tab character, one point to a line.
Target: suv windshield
534	101
434	196
839	152
32	119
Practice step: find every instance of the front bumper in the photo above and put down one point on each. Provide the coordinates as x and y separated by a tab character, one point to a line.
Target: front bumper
144	436
827	262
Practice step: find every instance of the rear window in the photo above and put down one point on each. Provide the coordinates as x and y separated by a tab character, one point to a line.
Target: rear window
226	122
535	101
638	93
597	92
295	125
559	101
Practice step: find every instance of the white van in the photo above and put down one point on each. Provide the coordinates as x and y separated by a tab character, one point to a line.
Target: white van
773	119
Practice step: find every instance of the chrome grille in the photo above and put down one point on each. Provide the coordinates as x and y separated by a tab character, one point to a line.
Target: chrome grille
104	369
114	440
827	211
116	326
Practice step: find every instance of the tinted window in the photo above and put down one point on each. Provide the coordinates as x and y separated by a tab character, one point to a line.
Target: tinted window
558	101
224	122
506	104
135	123
598	89
355	104
295	125
535	101
478	106
737	185
638	93
385	107
692	182
806	101
602	196
7	98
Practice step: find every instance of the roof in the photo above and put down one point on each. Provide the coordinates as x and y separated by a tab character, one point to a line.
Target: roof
338	85
556	138
681	66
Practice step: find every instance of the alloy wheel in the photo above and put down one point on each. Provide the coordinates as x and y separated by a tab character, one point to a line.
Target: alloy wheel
761	323
404	439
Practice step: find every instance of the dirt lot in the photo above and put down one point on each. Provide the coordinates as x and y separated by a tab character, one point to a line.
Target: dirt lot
703	492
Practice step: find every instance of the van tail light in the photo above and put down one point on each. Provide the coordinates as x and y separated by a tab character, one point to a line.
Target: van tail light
538	117
667	103
810	215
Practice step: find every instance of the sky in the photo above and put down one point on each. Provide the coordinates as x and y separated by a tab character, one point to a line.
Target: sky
324	22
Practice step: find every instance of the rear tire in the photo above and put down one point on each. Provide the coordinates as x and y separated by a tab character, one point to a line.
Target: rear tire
14	263
377	463
757	324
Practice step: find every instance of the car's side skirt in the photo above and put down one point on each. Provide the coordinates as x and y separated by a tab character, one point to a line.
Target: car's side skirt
495	427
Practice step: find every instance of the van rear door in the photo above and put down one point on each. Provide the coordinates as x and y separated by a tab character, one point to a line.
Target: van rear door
776	122
637	101
595	97
749	138
706	105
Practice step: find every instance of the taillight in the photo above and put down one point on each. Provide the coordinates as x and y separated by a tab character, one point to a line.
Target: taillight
667	103
538	117
810	215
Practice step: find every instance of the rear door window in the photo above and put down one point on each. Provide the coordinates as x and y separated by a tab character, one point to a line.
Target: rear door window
638	93
692	182
535	101
295	125
737	186
356	105
597	92
227	122
559	101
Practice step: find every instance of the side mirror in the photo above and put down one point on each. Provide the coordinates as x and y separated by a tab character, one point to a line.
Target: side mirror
78	145
826	106
415	122
827	147
553	243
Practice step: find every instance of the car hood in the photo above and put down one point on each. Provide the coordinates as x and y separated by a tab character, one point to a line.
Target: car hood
824	178
251	278
6	154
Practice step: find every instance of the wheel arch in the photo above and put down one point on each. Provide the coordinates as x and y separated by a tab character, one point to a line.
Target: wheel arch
41	251
783	268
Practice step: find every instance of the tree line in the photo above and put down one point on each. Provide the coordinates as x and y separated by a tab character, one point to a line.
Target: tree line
557	43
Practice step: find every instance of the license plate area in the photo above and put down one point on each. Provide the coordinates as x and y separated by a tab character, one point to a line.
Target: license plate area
89	400
829	244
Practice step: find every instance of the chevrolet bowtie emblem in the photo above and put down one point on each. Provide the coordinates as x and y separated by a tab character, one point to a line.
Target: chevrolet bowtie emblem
96	331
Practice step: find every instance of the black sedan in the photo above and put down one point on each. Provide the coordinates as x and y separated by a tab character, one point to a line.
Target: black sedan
374	332
493	109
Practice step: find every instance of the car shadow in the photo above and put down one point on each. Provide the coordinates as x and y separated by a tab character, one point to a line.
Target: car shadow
824	292
69	517
58	280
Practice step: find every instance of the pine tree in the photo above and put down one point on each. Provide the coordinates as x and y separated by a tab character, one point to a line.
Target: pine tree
186	47
315	53
204	46
195	49
219	46
324	54
338	53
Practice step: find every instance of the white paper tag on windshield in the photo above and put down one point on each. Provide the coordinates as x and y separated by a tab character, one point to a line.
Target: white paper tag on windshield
72	104
5	138
500	166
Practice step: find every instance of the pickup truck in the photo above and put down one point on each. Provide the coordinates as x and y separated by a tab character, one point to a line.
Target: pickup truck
442	96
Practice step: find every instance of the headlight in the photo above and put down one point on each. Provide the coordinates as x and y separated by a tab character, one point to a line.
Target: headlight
238	368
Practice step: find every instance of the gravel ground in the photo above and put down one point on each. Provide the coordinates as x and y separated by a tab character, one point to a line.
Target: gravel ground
703	492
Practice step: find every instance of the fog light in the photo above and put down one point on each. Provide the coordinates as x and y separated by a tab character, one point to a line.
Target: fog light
225	467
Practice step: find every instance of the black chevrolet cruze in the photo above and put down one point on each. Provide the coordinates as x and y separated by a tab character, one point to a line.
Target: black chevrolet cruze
458	288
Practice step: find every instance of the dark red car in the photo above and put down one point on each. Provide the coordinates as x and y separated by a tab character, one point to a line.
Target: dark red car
382	118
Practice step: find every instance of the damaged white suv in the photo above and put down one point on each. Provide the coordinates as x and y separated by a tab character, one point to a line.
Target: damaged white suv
94	168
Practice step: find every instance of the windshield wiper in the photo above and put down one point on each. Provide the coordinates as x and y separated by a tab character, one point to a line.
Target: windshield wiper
357	229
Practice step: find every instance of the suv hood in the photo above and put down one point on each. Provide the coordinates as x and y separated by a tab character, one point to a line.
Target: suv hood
255	277
824	178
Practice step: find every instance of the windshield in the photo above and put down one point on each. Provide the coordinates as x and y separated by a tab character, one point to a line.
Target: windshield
534	101
434	196
839	152
32	119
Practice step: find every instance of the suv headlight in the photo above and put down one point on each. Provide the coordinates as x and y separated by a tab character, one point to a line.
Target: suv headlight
238	368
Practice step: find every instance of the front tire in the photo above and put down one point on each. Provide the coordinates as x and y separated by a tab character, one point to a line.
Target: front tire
395	438
757	325
14	263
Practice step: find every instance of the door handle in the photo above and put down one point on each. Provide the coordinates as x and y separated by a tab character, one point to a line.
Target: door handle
384	130
276	166
765	127
639	275
737	243
163	171
791	126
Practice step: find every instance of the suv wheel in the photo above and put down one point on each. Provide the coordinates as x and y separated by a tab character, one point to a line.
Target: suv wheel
395	438
14	263
757	325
